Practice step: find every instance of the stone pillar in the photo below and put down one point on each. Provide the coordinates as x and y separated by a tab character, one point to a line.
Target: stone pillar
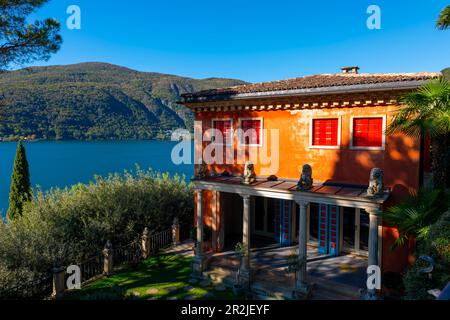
302	242
373	242
199	251
108	259
302	286
198	263
175	231
245	266
59	284
214	234
246	232
221	220
146	244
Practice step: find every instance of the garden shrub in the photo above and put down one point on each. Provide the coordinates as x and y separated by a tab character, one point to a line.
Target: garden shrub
66	226
436	245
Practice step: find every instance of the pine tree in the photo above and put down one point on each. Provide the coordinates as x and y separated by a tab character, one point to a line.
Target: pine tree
20	191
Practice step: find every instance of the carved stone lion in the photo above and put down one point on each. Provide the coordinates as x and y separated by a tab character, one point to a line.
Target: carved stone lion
376	186
202	171
306	180
249	173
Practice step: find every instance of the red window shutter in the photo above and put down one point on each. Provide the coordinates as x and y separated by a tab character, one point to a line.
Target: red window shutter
325	132
224	126
368	132
251	124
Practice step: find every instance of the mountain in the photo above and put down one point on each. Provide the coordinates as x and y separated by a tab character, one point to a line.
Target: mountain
95	101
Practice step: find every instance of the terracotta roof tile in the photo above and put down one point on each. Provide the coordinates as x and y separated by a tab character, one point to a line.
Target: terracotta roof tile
315	81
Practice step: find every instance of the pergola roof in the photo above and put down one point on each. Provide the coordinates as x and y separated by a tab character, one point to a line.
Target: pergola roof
327	192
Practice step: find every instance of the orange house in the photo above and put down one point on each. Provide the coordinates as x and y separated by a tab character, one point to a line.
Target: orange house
335	123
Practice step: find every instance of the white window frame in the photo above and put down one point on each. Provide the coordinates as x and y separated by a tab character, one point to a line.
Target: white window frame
230	143
311	133
383	133
261	135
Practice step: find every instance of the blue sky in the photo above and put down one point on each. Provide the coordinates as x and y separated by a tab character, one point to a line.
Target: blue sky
253	40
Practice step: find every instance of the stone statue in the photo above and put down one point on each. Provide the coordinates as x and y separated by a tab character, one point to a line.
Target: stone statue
212	173
376	186
202	171
249	173
306	180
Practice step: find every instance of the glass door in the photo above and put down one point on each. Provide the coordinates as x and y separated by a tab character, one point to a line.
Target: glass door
363	231
355	230
264	217
349	228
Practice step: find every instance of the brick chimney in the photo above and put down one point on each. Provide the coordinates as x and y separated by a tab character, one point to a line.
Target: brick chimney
354	69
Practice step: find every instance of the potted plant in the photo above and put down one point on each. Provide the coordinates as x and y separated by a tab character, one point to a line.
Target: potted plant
293	266
240	250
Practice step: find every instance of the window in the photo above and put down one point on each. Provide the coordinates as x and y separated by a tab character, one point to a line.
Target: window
226	128
252	130
368	132
325	132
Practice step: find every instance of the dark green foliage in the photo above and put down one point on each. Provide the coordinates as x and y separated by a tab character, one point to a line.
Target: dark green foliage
416	214
443	21
436	245
20	191
426	112
62	227
21	41
95	101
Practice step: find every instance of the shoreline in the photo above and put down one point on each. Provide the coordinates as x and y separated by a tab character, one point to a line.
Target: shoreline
83	140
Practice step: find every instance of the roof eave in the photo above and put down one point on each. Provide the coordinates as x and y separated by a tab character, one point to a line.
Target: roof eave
385	86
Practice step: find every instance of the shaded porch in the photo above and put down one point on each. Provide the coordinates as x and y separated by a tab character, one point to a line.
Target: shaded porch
334	277
233	207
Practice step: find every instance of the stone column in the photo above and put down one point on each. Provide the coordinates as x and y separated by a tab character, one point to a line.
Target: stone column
175	231
221	237
214	222
198	264
246	232
373	241
108	259
59	284
199	219
302	244
245	270
146	244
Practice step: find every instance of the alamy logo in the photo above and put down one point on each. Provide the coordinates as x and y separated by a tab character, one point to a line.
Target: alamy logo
74	279
73	22
261	147
373	277
374	20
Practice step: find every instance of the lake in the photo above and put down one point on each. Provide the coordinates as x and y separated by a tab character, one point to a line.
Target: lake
64	163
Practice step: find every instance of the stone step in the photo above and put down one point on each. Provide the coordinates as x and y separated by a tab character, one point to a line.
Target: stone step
221	276
323	289
338	290
266	285
266	291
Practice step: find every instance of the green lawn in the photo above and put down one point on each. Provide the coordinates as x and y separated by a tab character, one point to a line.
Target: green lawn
165	276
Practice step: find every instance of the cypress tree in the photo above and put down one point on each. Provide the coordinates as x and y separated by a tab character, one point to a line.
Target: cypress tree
20	191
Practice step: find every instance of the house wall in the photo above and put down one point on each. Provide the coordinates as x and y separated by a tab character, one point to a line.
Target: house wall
399	160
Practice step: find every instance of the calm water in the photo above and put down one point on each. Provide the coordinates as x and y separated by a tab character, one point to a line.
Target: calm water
64	163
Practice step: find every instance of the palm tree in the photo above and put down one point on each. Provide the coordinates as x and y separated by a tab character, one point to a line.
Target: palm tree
416	214
427	113
444	19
